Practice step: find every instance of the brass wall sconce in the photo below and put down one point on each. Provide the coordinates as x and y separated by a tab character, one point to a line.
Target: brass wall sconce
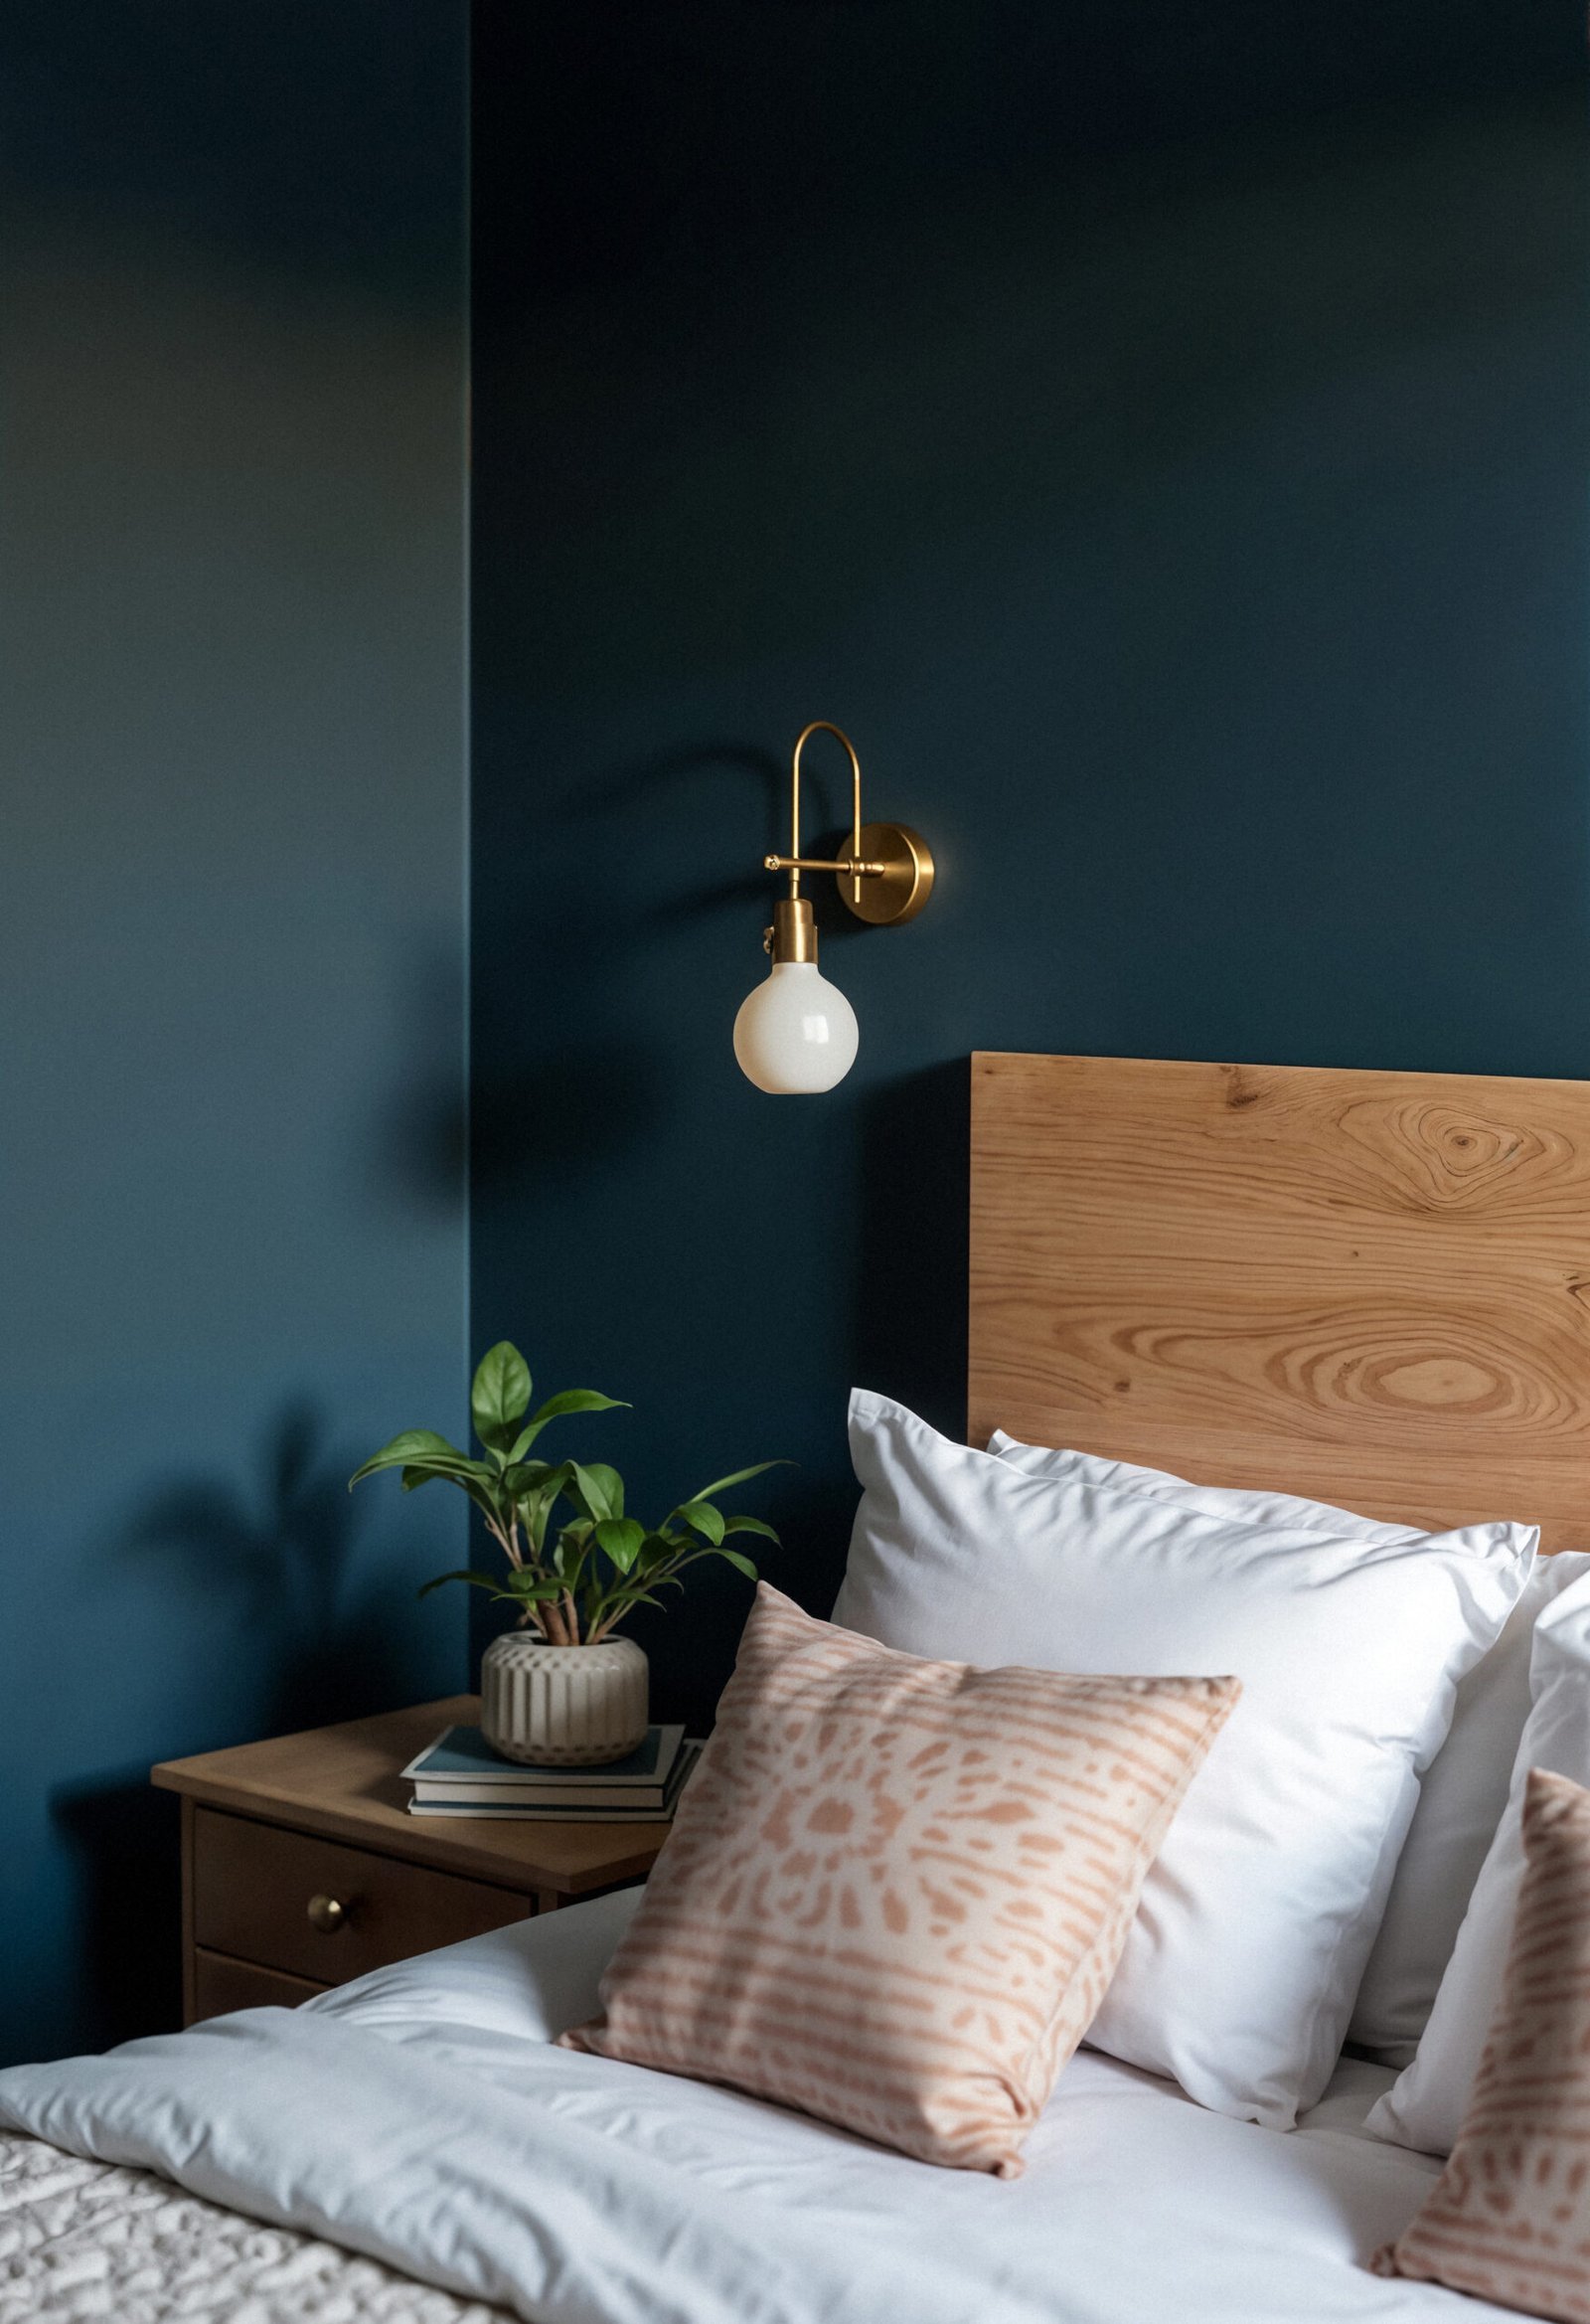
796	1033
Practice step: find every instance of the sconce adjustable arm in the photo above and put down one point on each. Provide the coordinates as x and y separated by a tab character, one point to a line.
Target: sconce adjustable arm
795	863
886	874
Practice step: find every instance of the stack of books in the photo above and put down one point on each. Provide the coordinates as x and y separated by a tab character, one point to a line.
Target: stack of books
461	1775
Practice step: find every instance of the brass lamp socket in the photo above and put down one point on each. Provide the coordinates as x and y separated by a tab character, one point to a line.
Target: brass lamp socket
793	935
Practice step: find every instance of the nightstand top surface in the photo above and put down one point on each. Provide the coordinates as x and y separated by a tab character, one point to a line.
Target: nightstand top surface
343	1781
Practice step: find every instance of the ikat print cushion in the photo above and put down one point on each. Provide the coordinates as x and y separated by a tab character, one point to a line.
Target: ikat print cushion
896	1889
1508	2218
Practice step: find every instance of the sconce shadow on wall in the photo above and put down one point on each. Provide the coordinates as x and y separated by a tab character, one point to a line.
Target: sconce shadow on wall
547	1118
639	783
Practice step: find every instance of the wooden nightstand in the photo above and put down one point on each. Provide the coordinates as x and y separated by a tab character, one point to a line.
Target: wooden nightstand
301	1866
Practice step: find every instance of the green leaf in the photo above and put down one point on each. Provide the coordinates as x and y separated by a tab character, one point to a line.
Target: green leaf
414	1478
415	1446
533	1588
535	1507
499	1395
752	1525
479	1581
576	1399
524	1476
740	1565
557	1407
739	1477
476	1483
621	1538
659	1546
622	1600
572	1553
553	1479
598	1489
704	1518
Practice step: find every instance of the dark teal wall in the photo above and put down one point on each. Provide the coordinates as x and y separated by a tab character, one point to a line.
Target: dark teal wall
231	1243
1159	435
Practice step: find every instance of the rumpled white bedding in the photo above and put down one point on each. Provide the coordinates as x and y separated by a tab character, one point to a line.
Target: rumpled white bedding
423	2118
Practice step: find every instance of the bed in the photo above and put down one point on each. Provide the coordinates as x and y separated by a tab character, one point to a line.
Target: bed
1368	1287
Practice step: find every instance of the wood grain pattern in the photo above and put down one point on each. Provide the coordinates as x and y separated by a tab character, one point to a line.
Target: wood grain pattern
1370	1288
253	1883
343	1782
221	1985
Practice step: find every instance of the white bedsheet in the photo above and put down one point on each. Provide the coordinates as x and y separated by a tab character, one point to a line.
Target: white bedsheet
421	2117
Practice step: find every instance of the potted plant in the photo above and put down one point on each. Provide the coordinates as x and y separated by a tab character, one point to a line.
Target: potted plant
562	1689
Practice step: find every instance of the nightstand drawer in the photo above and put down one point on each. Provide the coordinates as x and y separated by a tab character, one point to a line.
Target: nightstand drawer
253	1886
221	1985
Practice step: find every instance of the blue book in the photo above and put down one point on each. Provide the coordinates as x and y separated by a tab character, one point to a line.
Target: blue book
460	1768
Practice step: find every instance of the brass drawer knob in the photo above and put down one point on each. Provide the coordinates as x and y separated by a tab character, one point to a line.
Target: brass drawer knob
328	1914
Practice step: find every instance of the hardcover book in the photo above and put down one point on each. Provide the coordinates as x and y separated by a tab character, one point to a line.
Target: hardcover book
584	1803
460	1768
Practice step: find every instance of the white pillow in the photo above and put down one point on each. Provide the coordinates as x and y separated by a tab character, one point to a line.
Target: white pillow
1464	1790
1092	1468
1255	1923
1424	2107
1461	1803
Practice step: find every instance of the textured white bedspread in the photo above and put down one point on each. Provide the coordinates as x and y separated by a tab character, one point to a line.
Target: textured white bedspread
82	2241
422	2118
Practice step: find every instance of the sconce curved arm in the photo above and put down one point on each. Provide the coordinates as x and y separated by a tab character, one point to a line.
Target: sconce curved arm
795	863
886	887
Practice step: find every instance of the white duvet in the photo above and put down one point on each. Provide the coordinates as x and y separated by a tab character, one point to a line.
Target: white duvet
422	2118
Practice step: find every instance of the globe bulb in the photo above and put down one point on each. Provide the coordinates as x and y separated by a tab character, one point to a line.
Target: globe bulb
796	1032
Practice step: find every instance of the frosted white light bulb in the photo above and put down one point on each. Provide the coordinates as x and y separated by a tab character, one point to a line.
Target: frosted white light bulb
796	1032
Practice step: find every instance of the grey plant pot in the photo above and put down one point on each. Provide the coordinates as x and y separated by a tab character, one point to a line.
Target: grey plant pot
564	1706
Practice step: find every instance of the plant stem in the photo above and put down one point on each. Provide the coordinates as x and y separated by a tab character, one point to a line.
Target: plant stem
507	1540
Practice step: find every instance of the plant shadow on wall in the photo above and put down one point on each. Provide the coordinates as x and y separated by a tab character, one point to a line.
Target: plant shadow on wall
283	1552
311	1645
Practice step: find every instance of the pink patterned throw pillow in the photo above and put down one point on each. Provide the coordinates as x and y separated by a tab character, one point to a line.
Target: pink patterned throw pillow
1509	2216
896	1889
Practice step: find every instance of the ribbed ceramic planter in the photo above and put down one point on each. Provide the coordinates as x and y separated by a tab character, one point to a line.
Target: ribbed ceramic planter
564	1706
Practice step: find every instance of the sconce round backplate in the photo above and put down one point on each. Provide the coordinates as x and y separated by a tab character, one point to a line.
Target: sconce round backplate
898	892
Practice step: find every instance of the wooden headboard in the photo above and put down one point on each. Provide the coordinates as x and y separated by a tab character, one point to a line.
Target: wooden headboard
1369	1288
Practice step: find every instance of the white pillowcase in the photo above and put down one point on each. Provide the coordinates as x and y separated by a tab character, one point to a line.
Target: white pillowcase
1043	1460
1462	1801
1424	2107
1464	1792
1255	1923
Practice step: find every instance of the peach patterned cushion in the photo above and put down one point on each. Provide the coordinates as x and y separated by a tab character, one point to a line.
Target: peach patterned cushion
1509	2216
896	1889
